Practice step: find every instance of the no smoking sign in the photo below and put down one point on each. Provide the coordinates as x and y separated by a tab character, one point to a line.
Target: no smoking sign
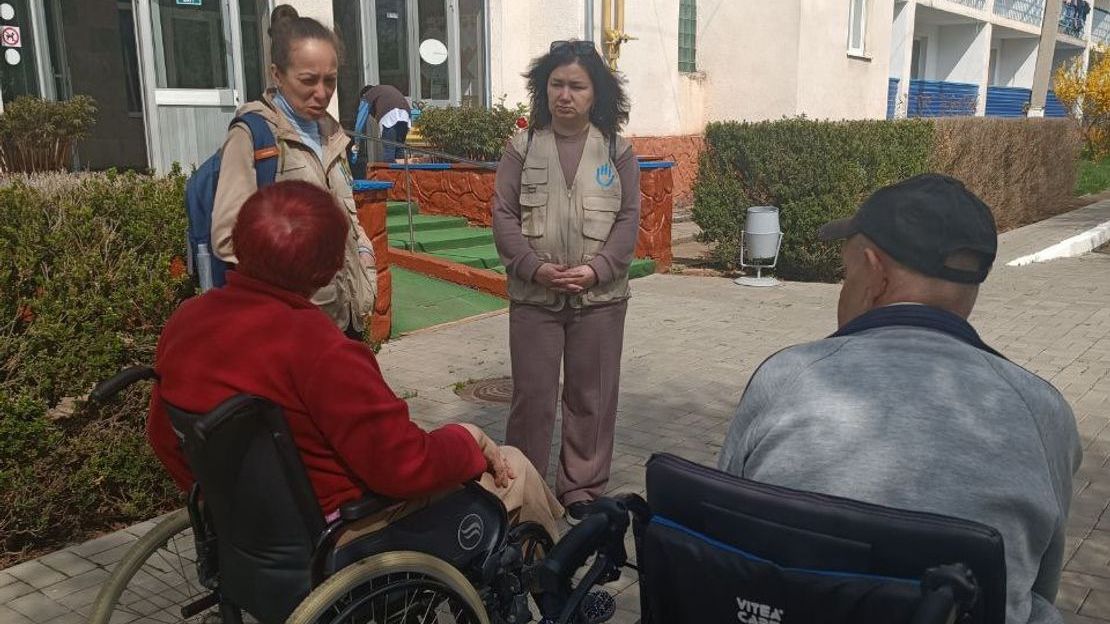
10	37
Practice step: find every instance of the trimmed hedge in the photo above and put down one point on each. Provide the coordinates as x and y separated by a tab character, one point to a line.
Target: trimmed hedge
88	274
815	171
476	133
1023	168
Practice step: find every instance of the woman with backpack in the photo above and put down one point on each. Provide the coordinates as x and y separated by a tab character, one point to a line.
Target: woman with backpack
312	147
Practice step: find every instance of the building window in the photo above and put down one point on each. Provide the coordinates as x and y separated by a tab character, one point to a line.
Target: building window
472	52
251	22
189	45
130	58
687	36
917	58
348	24
857	27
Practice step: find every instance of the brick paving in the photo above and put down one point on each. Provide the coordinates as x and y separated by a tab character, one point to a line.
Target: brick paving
691	343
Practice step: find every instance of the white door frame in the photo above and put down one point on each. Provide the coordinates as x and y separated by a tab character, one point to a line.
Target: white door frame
41	45
155	97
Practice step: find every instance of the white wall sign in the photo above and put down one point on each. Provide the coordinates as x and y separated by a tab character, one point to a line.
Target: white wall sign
10	37
433	51
7	11
12	56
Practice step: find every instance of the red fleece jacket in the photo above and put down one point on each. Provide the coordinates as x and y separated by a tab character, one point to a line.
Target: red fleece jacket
353	432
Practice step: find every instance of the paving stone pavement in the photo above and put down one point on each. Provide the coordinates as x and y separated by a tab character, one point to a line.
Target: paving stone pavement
691	343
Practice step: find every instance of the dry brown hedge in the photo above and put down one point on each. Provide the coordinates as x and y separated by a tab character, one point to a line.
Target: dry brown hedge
1024	169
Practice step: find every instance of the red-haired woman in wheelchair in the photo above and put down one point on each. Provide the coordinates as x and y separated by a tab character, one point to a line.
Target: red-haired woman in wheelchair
261	335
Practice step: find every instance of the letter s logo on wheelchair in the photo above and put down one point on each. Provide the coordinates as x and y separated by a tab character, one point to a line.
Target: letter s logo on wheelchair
471	530
751	612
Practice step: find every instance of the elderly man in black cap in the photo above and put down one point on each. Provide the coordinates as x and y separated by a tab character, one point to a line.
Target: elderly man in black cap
906	406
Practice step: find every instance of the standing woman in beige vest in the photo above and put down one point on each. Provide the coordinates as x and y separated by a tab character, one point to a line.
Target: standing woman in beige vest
565	219
312	148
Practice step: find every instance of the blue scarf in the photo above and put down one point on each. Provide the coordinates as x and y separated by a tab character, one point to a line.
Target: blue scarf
917	316
307	128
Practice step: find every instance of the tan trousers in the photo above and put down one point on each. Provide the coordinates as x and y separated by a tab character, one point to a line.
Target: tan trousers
587	343
526	498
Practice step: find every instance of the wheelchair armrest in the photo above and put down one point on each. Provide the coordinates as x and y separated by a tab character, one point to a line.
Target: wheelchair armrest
364	507
571	552
109	388
605	526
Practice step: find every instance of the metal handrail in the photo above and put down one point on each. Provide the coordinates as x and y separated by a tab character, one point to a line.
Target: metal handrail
405	149
423	150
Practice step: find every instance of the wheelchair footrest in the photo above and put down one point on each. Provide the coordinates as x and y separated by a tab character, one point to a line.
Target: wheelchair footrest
199	606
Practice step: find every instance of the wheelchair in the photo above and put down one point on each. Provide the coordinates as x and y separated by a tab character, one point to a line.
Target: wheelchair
252	543
710	547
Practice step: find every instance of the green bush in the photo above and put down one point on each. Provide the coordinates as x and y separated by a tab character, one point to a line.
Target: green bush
38	135
89	272
813	171
470	132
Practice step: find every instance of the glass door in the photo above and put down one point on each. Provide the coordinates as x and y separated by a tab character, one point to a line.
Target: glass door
473	84
435	57
391	21
415	48
193	80
19	74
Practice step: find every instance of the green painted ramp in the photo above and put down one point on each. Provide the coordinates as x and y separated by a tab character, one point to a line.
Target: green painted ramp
452	239
420	301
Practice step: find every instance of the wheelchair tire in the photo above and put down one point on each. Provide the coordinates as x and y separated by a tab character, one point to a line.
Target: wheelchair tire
409	567
173	530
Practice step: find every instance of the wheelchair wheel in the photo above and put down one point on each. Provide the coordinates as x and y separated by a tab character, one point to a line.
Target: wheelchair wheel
155	579
399	587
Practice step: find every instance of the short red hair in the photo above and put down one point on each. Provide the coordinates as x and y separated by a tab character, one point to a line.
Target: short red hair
291	235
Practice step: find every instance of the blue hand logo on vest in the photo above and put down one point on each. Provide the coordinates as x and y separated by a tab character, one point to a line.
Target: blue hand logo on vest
605	176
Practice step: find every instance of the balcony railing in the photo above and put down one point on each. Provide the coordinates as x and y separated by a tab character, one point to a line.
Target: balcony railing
1100	27
891	97
934	98
1073	18
1028	11
975	4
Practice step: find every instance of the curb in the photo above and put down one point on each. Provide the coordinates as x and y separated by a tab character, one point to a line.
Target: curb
1069	248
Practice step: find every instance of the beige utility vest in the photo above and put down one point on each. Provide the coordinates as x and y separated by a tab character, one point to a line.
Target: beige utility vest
349	298
568	223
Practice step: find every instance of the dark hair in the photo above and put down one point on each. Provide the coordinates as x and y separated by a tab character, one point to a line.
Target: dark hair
288	27
291	235
610	109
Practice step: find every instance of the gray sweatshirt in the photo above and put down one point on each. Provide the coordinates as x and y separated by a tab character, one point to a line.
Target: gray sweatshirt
916	419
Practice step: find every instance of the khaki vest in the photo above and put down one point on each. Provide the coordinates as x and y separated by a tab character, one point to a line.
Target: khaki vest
349	298
568	223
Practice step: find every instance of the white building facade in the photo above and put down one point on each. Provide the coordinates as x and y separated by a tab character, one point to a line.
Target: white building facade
169	74
979	56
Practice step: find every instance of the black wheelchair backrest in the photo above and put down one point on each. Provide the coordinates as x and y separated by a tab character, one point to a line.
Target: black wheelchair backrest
258	496
720	548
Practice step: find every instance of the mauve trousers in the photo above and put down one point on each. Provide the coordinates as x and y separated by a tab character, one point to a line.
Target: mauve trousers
587	342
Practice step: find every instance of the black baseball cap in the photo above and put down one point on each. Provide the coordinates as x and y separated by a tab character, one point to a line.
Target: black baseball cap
921	222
